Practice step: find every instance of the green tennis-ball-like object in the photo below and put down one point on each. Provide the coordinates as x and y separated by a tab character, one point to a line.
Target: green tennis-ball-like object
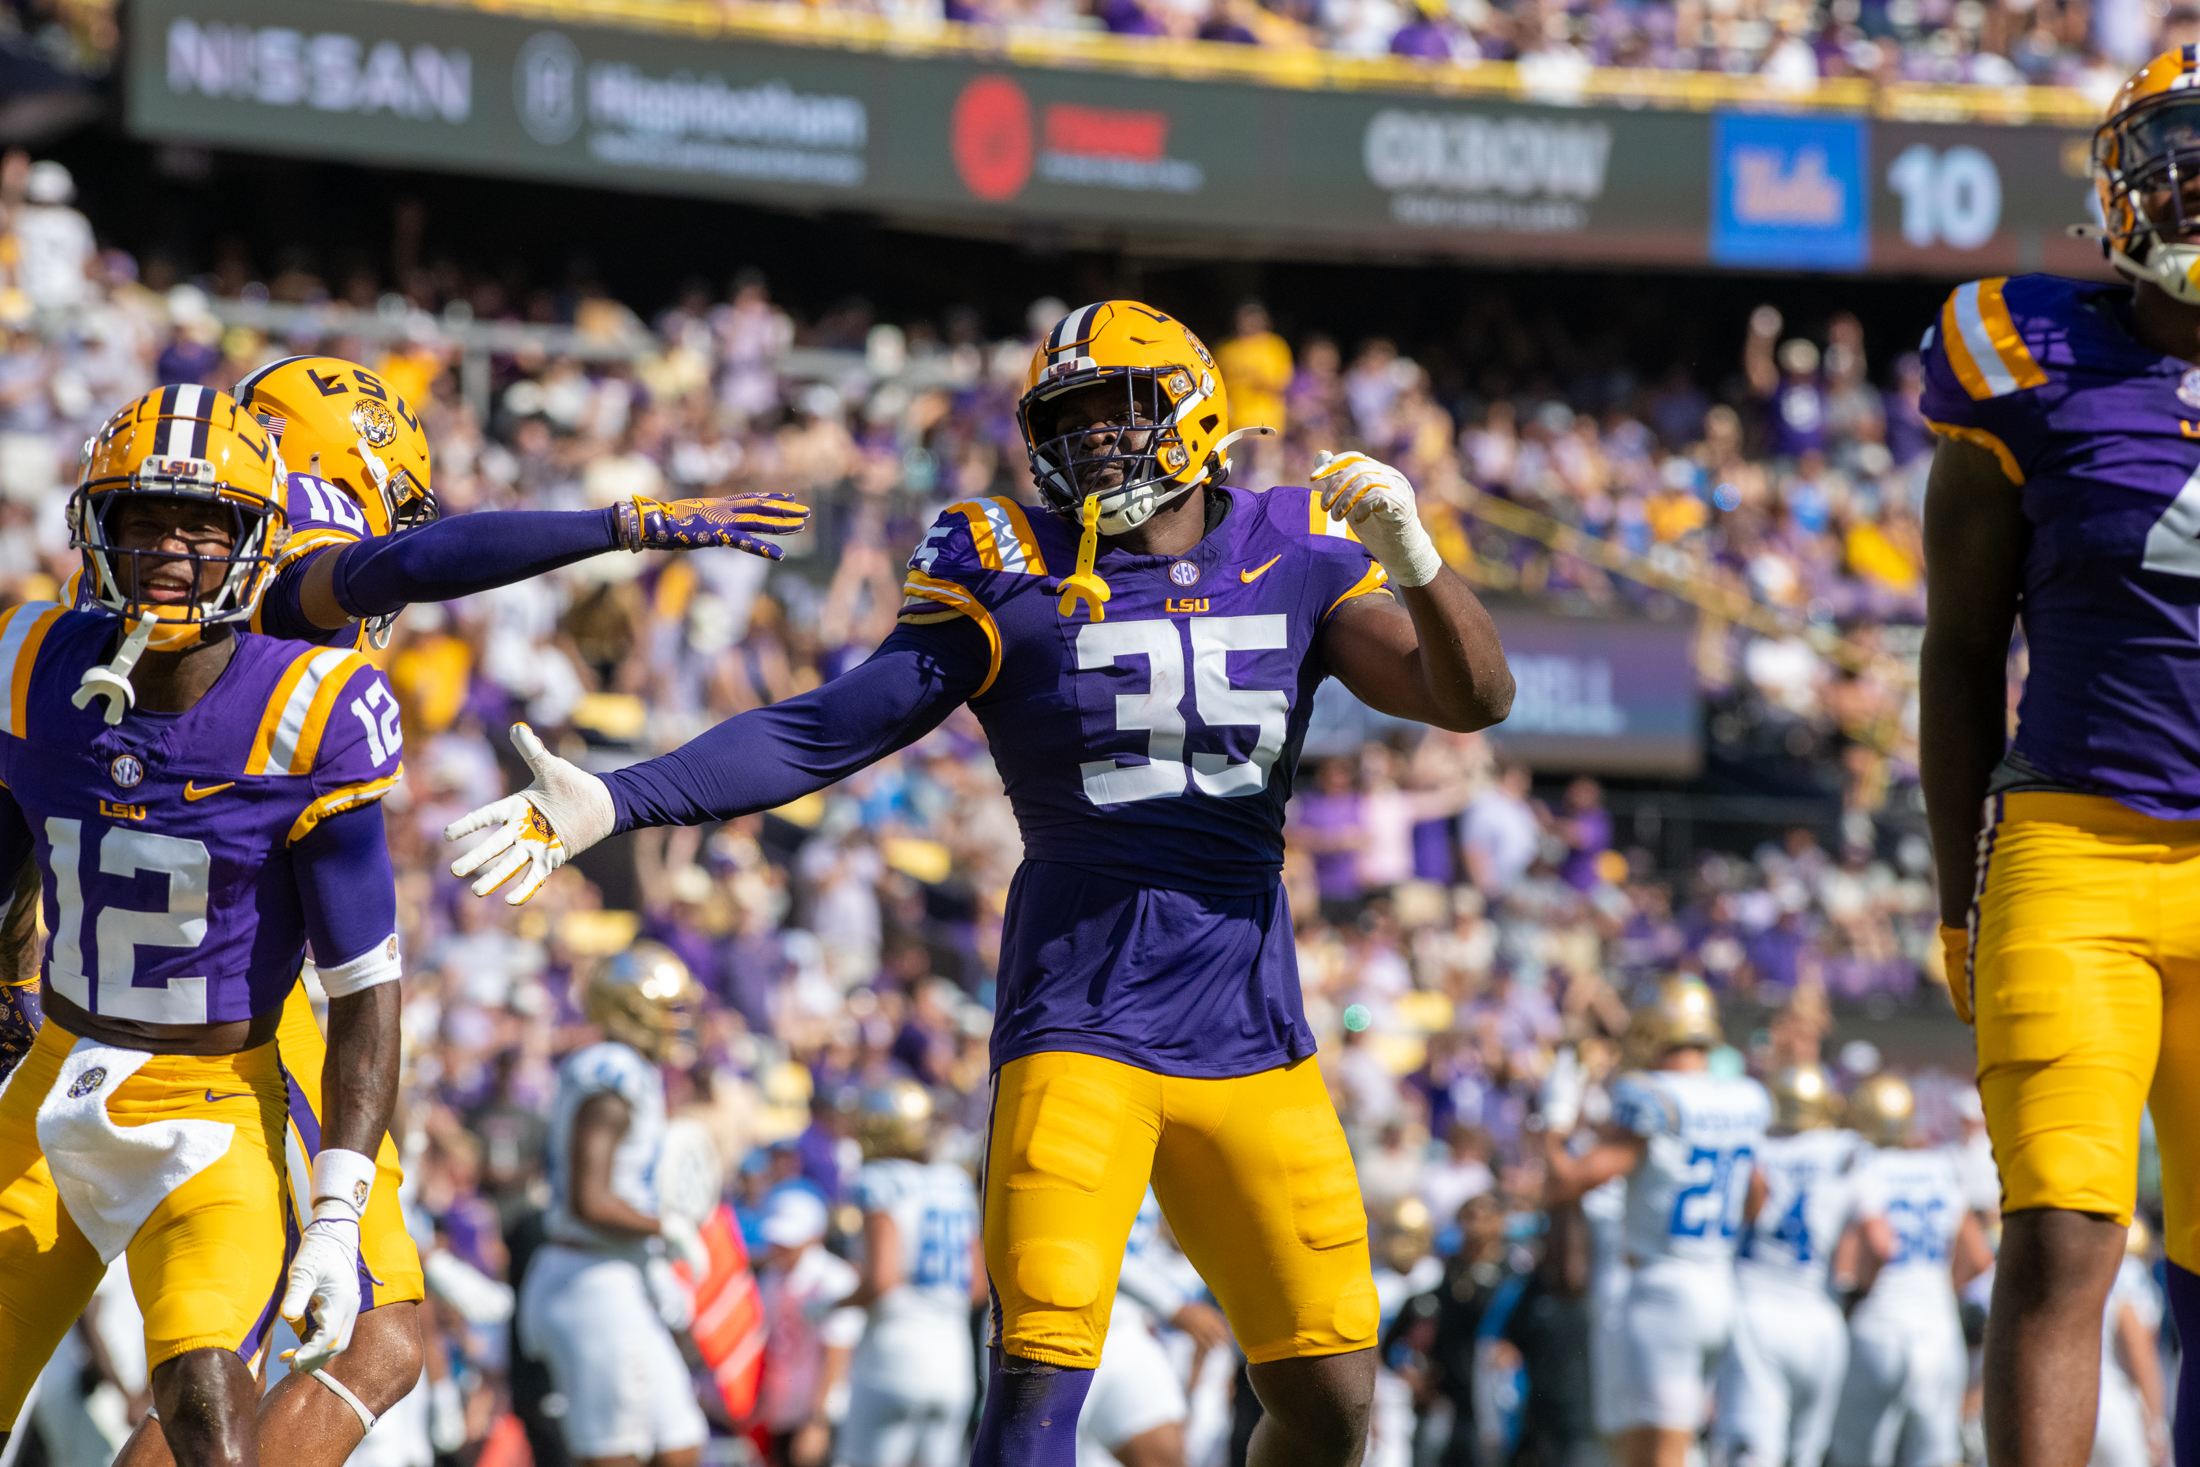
1357	1017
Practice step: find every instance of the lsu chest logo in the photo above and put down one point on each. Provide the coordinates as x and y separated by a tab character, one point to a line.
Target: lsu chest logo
87	1082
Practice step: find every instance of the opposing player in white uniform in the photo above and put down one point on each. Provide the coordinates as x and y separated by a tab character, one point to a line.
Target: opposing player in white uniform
1902	1399
913	1378
2132	1424
1791	1346
587	1306
1686	1141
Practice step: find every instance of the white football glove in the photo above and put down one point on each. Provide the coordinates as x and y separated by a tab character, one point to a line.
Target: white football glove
324	1273
1563	1088
564	812
324	1277
684	1244
1378	502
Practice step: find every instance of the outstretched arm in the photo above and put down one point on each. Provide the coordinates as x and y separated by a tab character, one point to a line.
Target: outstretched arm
329	589
756	761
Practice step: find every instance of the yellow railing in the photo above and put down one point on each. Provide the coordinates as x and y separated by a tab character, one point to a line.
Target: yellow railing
1301	67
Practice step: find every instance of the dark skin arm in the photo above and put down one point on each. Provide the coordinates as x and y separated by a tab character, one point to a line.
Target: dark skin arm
1435	660
317	591
359	1077
1566	1259
597	1128
1976	537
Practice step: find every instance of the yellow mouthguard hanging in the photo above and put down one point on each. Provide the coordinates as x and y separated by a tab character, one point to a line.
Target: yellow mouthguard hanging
1086	585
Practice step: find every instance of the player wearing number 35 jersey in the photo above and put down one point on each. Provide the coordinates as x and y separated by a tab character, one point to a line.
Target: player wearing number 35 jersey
2067	490
1143	658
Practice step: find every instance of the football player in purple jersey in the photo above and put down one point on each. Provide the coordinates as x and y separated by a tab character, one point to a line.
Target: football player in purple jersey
201	806
1143	657
364	541
2067	490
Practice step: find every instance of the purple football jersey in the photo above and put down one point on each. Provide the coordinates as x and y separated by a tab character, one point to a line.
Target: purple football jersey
164	842
2103	435
1148	753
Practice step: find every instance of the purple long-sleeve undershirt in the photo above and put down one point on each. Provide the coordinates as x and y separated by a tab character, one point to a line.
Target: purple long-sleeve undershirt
763	758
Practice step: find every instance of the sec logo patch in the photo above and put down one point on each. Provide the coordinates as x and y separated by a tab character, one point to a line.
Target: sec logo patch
87	1082
1184	573
127	771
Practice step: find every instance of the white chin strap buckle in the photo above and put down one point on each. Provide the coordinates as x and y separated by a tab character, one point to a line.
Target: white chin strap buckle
112	682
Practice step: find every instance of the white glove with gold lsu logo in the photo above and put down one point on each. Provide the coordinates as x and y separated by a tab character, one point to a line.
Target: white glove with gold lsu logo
1378	502
564	812
324	1274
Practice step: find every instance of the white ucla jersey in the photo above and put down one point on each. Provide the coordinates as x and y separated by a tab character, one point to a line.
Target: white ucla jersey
935	1213
620	1070
1807	1183
1685	1200
1922	1199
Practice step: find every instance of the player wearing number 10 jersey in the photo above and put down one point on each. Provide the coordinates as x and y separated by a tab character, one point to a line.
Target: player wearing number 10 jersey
2068	489
1143	660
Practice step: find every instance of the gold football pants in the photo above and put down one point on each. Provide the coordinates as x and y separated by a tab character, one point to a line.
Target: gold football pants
1252	1173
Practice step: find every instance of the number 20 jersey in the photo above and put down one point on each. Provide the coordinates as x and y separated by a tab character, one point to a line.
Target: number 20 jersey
1148	750
1701	1134
164	842
2102	434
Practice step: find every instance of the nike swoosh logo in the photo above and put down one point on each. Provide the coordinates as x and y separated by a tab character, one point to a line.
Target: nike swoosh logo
213	1096
193	792
1253	575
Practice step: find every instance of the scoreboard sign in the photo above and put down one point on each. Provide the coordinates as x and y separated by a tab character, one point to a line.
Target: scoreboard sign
952	142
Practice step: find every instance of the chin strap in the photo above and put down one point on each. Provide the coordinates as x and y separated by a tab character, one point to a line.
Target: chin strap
2138	271
1086	585
112	682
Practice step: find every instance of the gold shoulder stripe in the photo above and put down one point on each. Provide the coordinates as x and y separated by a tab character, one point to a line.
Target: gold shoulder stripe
289	735
1983	343
1318	521
22	632
1980	438
337	801
921	587
1375	580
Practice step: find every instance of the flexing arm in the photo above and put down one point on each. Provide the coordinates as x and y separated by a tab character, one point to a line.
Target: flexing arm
1976	538
1437	661
756	761
329	589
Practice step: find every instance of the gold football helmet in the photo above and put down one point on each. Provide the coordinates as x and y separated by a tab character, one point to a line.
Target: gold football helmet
1804	1099
1404	1232
1685	1015
644	998
2144	156
367	439
184	443
1882	1110
894	1120
1171	428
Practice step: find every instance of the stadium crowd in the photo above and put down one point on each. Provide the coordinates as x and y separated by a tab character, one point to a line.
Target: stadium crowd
1459	927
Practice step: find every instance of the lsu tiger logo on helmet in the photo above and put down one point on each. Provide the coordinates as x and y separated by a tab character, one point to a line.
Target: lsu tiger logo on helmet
365	437
1125	405
2146	155
178	514
195	446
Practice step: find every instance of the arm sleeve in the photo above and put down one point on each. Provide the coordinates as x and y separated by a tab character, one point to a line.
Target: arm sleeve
464	555
769	756
350	898
20	1010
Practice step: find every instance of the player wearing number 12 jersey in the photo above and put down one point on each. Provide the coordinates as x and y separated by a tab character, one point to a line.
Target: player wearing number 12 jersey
1143	658
2068	489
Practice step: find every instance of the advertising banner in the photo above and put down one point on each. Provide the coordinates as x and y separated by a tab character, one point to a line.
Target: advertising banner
1177	166
1601	697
